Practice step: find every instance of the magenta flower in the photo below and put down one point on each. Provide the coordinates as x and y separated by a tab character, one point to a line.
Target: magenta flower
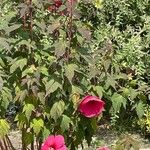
91	106
54	142
103	148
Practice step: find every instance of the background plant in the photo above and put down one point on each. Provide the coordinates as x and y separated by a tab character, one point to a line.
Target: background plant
50	59
46	70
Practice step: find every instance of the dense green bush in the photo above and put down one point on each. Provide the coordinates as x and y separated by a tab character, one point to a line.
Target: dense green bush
121	55
50	57
44	52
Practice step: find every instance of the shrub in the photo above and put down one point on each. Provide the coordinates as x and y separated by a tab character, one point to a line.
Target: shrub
45	67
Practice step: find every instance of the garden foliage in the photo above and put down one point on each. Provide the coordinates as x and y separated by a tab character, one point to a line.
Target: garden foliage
53	53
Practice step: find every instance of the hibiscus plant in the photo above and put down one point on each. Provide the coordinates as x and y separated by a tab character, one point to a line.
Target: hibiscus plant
45	51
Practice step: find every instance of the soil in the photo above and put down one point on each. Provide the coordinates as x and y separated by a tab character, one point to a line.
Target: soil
103	137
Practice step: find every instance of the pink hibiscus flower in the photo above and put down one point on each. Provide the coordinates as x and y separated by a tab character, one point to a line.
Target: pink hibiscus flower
91	106
54	142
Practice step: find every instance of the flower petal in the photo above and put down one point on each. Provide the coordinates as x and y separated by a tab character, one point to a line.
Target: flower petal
45	147
62	148
91	106
59	141
50	141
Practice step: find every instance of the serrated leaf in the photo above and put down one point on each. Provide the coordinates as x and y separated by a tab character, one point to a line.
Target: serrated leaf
110	82
41	25
4	43
6	97
57	110
46	132
29	70
69	71
4	128
18	64
21	120
51	87
118	101
41	96
51	28
37	125
28	108
76	89
12	28
28	138
140	107
133	93
65	123
1	83
85	33
99	90
60	48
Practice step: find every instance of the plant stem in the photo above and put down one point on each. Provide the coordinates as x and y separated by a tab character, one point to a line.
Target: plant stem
32	144
31	24
23	142
5	143
9	142
1	145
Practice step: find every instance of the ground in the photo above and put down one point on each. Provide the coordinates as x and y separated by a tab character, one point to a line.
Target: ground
103	137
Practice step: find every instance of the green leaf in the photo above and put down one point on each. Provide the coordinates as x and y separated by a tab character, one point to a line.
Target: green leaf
57	110
21	120
4	43
37	125
29	70
98	3
118	101
41	96
28	108
85	33
4	128
60	48
99	90
76	89
133	93
110	82
65	123
46	132
6	97
51	28
51	86
12	28
1	83
18	64
28	138
140	107
69	71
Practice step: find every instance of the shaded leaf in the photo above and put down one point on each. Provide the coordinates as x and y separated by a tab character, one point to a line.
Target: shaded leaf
118	101
18	64
57	110
51	87
60	48
69	71
12	28
65	123
140	107
85	33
